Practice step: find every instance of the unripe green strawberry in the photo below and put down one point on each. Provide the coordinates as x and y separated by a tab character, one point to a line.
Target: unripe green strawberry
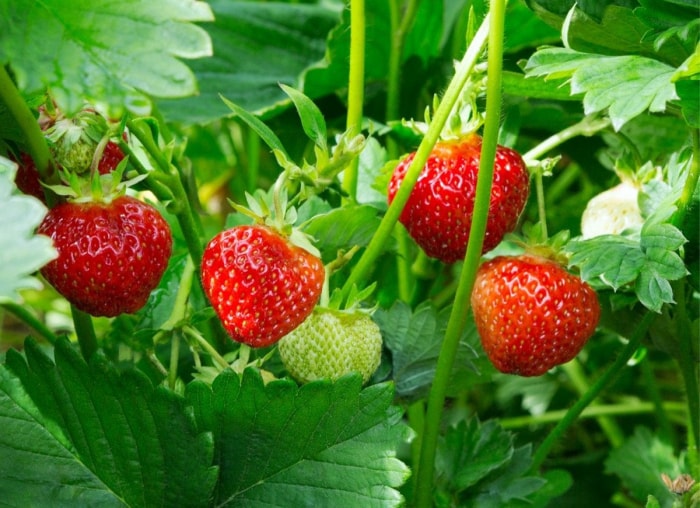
330	344
612	211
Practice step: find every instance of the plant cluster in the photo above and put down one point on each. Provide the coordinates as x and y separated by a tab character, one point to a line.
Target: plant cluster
332	253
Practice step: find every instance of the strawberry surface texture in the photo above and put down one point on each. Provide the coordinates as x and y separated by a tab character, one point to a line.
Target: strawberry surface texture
260	285
438	213
531	314
330	344
110	255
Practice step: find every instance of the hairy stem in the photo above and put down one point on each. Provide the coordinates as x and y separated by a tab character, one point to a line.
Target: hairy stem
595	389
458	316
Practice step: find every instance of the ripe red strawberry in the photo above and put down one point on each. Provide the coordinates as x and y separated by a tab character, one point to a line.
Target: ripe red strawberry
531	313
110	255
27	177
261	286
111	157
438	214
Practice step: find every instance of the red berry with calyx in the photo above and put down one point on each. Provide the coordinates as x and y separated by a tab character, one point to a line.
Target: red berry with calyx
532	314
111	255
438	213
260	284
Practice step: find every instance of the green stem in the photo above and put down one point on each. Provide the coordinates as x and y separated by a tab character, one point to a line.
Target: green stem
174	360
595	389
586	127
625	409
85	331
691	182
30	319
416	419
191	228
253	159
384	231
665	429
356	89
202	342
578	378
458	316
399	28
689	370
19	110
541	203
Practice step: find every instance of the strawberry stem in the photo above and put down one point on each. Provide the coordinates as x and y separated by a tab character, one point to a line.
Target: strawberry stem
22	313
586	127
581	384
627	408
85	332
38	149
384	231
458	316
593	391
356	86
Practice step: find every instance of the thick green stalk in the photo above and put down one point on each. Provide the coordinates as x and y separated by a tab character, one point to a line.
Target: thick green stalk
455	325
384	231
85	331
38	148
30	319
356	88
689	370
595	389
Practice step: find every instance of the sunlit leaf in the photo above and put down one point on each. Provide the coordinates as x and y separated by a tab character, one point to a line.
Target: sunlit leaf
21	251
109	53
322	444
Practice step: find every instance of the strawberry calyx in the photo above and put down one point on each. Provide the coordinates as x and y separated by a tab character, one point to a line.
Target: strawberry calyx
534	241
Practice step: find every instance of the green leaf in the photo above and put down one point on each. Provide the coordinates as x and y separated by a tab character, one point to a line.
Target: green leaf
414	339
265	133
109	53
478	465
625	86
258	45
619	32
21	251
470	451
102	436
343	228
312	120
647	263
322	444
616	259
640	462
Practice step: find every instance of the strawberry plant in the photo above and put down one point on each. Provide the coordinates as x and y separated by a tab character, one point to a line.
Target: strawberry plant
350	253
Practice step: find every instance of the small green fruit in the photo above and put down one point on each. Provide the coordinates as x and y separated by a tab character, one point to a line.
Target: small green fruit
330	344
